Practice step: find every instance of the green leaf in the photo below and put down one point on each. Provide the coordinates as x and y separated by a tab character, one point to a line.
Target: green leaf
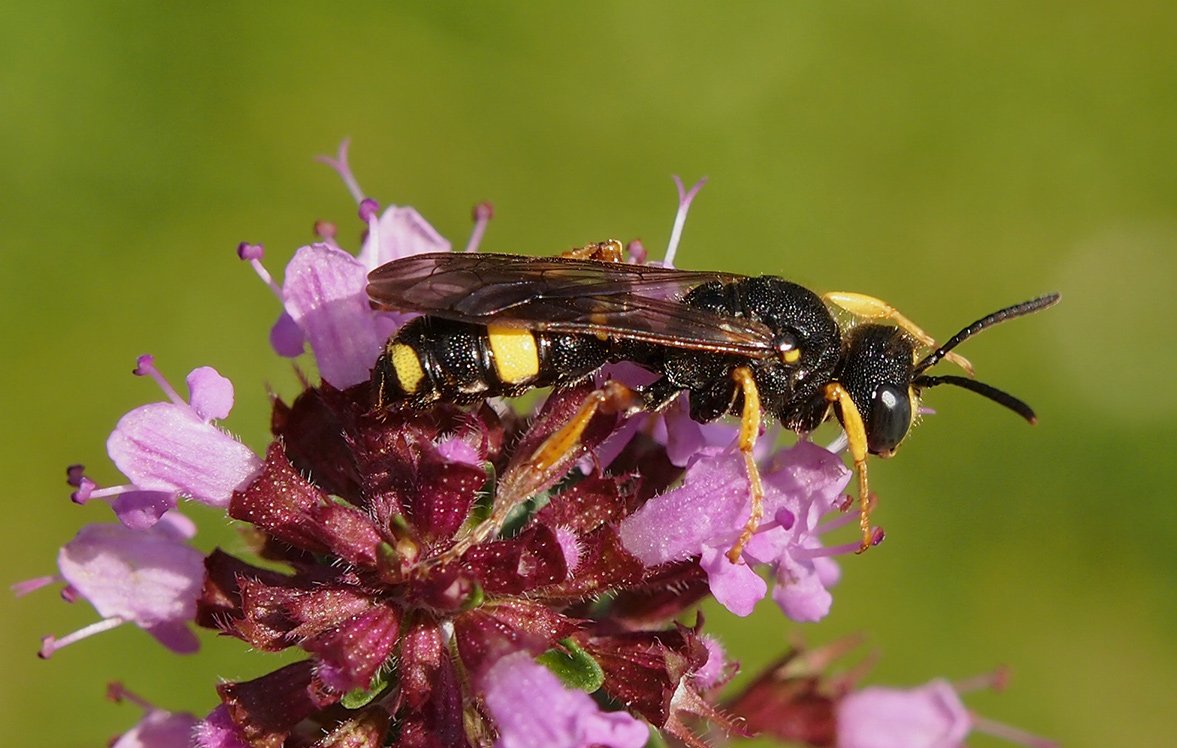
574	666
362	696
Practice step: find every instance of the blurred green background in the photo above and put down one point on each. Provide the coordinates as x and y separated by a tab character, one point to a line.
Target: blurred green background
948	159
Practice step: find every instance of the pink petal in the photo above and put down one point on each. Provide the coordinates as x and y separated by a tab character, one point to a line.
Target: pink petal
570	545
176	637
210	394
166	447
403	232
931	716
218	730
176	526
159	729
140	510
805	473
326	295
144	577
688	440
736	586
286	337
715	670
457	449
799	590
533	709
709	508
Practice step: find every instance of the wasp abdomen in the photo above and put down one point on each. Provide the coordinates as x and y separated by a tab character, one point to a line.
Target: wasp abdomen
433	359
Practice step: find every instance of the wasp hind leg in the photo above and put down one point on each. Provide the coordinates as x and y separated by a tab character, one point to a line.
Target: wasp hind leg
517	486
868	307
856	438
749	431
612	397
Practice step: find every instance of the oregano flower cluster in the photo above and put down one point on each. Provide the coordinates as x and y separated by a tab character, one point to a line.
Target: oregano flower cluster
419	624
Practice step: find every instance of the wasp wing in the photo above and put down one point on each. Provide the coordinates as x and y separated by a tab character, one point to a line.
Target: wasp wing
636	302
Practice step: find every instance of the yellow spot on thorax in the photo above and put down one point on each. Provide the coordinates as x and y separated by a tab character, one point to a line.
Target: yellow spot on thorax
516	356
407	366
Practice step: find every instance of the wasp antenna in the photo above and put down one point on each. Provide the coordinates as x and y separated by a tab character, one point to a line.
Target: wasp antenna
985	390
1010	312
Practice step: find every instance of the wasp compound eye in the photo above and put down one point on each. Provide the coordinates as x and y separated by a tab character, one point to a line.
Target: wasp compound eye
889	420
787	346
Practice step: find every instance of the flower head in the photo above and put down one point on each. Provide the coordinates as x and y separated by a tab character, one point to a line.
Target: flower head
388	563
437	582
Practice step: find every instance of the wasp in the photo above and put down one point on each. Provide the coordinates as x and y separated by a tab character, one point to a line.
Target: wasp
501	324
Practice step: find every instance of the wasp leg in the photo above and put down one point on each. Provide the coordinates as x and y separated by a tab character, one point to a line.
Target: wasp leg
868	307
608	251
856	437
749	431
612	397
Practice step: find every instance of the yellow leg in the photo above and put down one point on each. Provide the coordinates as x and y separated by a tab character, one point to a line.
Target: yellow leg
611	398
518	485
749	431
868	307
856	436
608	251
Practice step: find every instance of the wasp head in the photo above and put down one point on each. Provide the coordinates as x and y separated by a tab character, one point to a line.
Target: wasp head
877	370
880	372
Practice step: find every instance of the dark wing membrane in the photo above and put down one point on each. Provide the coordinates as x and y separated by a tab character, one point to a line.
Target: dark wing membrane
481	285
637	302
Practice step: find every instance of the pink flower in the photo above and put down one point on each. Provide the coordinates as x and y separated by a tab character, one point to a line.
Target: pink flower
533	709
706	514
400	231
159	728
218	731
324	298
930	716
173	449
150	578
325	292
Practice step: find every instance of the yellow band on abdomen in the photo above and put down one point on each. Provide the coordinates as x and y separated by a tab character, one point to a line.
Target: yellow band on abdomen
407	366
516	357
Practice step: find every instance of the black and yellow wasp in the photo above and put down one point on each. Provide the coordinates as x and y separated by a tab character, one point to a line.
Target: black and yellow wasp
498	324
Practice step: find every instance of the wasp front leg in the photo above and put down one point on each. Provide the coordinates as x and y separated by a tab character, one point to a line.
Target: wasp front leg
856	439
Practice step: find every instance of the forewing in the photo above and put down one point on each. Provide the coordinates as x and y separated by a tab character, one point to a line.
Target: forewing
638	302
653	320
